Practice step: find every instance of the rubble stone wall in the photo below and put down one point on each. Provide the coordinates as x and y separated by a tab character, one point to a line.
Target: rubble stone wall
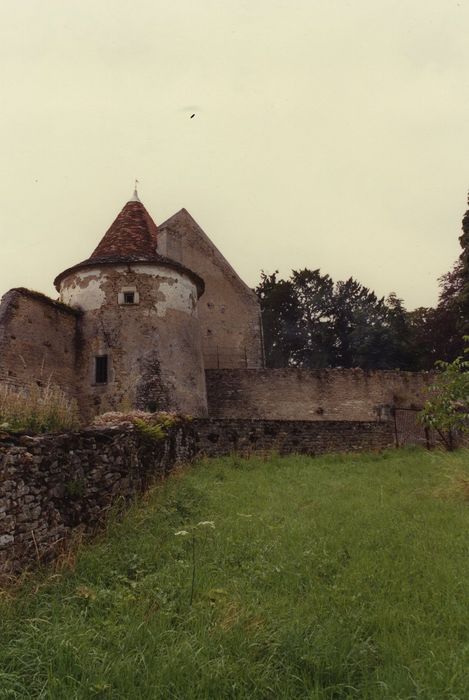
217	437
51	485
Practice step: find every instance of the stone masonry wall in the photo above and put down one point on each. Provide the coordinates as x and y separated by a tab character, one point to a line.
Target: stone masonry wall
38	341
50	485
229	310
153	346
313	395
216	437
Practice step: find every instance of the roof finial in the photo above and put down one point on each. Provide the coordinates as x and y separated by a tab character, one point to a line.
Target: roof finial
135	197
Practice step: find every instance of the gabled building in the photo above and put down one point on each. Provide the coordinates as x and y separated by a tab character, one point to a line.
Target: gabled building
157	319
137	323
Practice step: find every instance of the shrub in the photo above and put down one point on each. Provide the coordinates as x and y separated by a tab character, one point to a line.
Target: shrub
153	426
447	409
35	409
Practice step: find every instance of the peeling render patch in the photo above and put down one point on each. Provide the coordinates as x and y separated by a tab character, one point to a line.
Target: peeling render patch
85	291
178	297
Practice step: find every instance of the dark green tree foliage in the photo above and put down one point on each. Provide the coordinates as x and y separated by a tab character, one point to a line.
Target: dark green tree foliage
280	320
310	321
313	295
437	334
463	268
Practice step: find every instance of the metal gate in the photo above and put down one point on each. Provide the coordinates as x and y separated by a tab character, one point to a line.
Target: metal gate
408	430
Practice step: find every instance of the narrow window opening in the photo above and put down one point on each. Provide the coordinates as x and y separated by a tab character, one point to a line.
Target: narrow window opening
129	297
101	367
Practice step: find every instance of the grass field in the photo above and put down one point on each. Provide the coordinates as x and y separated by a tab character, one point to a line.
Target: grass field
334	577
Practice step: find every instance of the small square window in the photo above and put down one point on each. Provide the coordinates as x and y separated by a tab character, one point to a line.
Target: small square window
129	297
101	369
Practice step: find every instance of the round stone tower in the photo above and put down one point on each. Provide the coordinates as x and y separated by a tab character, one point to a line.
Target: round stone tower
139	344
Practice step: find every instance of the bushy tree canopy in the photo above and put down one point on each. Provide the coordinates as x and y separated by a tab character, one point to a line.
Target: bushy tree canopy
310	321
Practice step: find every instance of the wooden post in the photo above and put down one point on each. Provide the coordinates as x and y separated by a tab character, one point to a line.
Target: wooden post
396	438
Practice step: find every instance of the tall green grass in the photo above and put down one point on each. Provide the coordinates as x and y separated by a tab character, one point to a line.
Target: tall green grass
37	409
334	577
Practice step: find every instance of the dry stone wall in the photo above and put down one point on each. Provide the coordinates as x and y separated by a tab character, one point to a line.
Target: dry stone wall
217	437
313	395
51	485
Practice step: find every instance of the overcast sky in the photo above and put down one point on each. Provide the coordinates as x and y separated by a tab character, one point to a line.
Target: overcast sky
328	134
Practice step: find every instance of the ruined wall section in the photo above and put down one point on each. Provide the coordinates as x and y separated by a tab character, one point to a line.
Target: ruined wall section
229	310
153	346
52	484
39	341
313	395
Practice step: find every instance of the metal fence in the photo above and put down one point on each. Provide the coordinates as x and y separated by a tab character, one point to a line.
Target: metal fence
224	357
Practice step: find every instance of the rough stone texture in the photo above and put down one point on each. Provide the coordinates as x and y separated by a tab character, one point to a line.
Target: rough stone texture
157	347
153	346
51	485
229	310
216	437
313	395
38	341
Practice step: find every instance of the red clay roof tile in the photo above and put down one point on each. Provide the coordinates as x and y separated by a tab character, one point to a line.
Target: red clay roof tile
131	238
132	233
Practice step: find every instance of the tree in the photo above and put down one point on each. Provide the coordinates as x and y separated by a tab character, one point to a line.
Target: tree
450	320
310	321
313	295
280	320
447	409
463	270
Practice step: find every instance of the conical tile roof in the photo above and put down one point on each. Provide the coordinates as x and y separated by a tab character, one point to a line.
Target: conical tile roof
131	238
132	233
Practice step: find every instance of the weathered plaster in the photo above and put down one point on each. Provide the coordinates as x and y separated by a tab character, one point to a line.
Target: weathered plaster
154	347
84	290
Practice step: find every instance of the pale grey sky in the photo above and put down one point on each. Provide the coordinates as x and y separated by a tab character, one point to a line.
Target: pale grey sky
328	133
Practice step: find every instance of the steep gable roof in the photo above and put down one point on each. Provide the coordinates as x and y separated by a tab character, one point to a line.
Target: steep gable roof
133	232
184	222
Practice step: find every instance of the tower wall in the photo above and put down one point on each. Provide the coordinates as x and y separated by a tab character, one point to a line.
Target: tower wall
153	346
